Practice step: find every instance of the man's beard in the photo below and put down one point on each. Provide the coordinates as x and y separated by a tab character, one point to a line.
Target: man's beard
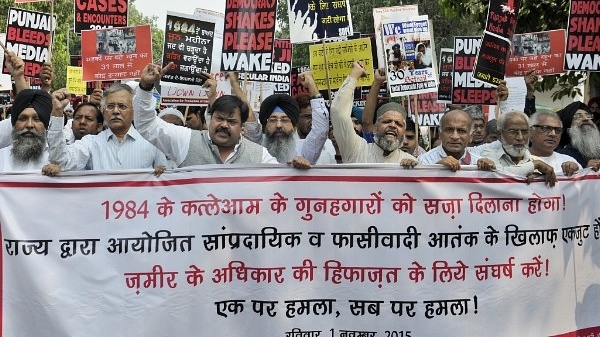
27	149
386	144
586	139
518	150
283	148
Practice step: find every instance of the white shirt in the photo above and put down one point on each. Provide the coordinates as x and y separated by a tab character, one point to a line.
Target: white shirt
102	151
556	160
7	163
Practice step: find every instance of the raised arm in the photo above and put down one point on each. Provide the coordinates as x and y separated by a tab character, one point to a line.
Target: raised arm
172	140
16	67
372	97
314	141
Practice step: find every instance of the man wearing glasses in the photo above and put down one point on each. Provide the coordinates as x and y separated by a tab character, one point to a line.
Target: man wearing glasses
514	157
279	116
119	147
546	130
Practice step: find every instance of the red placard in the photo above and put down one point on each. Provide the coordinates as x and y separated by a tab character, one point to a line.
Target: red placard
116	53
540	51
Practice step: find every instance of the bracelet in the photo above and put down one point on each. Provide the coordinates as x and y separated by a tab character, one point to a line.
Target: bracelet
146	88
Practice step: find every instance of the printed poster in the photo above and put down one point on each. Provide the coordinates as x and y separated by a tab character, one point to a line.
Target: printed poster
466	88
116	53
188	44
410	56
248	36
583	36
543	52
93	14
312	20
340	56
28	36
384	13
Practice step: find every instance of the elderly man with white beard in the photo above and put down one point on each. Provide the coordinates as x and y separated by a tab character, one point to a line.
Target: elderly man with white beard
514	156
388	129
29	117
582	140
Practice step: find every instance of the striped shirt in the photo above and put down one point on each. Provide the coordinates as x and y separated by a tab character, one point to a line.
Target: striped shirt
102	151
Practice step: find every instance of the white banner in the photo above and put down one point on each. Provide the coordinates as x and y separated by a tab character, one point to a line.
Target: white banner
244	251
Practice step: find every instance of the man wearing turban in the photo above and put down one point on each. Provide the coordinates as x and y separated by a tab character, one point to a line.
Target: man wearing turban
30	116
278	116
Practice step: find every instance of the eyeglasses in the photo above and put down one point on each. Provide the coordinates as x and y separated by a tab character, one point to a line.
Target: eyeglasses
547	128
275	120
112	106
515	132
580	115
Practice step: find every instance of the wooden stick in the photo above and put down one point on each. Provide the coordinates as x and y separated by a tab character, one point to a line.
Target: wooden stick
326	71
51	31
416	113
187	109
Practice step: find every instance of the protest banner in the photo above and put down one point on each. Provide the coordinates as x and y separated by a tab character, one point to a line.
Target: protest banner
28	36
92	14
395	12
312	20
248	36
446	70
543	52
75	61
340	56
193	95
409	55
430	111
74	83
465	88
219	20
583	36
258	251
188	44
116	53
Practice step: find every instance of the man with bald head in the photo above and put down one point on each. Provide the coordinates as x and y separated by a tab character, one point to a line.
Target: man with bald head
388	132
455	133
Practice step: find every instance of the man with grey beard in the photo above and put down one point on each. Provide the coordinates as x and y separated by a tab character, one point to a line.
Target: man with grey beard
583	138
29	117
388	132
514	156
279	115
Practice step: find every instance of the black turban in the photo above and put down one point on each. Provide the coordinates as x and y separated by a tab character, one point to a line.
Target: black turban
285	102
566	117
39	100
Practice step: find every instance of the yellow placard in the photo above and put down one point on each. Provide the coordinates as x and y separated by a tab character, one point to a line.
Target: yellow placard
340	56
75	84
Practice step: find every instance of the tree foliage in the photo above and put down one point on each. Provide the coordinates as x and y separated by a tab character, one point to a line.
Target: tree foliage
534	16
445	28
64	11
